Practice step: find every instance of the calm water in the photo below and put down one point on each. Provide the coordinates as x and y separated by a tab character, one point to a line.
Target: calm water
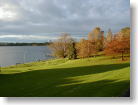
10	55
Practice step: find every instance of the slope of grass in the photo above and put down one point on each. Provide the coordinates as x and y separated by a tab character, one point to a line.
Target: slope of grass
96	77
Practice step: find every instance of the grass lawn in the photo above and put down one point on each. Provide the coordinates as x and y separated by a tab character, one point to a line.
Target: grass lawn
90	77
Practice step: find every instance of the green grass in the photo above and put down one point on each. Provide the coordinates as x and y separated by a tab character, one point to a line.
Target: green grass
90	77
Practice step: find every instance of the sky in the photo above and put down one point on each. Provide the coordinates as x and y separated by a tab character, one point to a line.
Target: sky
45	20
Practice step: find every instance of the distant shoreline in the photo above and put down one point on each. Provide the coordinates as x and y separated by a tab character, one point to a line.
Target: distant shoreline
21	45
24	44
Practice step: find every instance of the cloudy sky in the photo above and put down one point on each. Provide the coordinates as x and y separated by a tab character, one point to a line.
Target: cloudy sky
43	20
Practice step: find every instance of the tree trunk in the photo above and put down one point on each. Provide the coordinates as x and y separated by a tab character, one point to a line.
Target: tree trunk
122	55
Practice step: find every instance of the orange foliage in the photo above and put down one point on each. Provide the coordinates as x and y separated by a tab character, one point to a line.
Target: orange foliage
118	46
86	48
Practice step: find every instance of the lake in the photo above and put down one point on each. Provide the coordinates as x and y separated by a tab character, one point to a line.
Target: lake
11	55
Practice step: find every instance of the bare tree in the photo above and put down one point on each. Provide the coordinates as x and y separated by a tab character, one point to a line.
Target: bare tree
61	46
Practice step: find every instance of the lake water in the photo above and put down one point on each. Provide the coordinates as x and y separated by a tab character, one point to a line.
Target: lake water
10	55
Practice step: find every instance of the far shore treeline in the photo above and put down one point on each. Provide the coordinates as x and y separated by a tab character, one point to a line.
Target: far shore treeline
117	44
24	44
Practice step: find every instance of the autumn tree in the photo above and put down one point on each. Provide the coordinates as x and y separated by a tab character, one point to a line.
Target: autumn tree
86	48
125	32
97	36
120	43
63	47
94	34
109	36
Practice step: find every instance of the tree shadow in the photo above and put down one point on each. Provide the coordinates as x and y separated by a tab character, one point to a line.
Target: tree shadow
48	83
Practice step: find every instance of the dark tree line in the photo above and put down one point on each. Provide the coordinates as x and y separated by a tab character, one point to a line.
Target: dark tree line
24	44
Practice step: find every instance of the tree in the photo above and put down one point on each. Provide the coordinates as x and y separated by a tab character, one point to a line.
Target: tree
86	48
95	34
125	32
72	54
64	47
109	36
120	44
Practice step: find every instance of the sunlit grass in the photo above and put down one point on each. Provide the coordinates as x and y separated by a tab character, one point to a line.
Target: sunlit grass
99	76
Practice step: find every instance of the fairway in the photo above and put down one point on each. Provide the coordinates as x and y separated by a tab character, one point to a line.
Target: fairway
89	77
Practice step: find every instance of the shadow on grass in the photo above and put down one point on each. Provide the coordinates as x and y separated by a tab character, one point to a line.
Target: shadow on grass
47	83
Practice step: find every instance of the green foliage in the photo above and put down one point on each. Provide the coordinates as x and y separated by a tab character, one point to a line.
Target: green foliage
72	54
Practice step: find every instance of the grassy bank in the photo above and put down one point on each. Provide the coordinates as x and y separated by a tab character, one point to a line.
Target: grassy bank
100	76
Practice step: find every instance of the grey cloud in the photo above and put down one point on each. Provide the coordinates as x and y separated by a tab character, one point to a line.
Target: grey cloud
36	17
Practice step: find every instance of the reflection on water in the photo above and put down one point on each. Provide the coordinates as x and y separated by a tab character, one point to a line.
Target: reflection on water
11	55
